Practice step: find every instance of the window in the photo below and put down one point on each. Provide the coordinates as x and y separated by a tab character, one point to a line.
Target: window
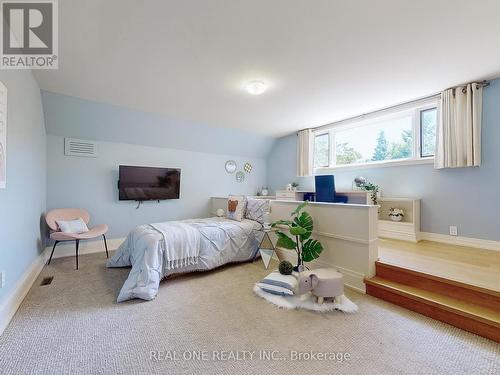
398	135
428	124
321	150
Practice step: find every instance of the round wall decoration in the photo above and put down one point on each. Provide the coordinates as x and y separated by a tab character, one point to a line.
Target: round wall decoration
247	167
240	176
231	166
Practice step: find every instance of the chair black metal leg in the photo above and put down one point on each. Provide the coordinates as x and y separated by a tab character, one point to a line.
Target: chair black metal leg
77	245
106	246
52	253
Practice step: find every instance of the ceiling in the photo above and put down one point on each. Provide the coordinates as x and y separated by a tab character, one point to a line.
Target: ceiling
323	60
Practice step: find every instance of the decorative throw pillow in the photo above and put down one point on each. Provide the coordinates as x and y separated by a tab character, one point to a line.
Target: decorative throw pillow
256	208
276	283
236	207
72	226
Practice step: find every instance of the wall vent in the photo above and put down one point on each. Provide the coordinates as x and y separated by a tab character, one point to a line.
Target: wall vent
79	147
47	280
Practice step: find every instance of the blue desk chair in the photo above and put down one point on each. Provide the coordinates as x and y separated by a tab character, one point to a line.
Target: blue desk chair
325	190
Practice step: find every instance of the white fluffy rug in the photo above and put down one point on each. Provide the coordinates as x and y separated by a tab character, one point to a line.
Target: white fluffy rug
307	301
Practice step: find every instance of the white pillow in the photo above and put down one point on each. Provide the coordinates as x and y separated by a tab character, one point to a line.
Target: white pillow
256	209
236	205
276	283
72	226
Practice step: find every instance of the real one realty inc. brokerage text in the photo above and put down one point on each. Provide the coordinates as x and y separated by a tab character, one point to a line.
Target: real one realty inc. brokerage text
247	355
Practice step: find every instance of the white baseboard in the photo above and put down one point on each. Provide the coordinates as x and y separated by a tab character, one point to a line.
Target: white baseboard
402	236
461	241
67	249
16	296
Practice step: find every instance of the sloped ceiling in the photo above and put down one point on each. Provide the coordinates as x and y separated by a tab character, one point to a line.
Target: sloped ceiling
323	60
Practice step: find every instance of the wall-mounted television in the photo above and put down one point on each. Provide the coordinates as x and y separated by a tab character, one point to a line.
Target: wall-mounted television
148	183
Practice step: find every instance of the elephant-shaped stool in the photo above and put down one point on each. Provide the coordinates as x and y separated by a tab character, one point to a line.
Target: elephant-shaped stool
321	282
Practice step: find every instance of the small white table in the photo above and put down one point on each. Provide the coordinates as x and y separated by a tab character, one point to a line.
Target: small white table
266	248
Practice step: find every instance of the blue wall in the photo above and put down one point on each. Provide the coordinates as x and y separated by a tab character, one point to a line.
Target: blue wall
73	117
23	201
465	197
200	151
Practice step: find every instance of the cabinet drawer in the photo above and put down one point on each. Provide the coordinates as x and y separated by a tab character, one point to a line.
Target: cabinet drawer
285	195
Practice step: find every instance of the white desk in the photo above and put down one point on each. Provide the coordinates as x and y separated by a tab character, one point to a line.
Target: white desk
353	196
356	196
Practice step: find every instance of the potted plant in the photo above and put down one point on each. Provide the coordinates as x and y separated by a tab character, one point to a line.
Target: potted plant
295	185
300	229
374	189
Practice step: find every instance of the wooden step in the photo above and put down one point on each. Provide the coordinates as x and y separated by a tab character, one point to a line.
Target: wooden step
469	316
446	287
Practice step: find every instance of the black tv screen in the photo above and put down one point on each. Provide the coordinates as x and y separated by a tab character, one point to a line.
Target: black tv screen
148	183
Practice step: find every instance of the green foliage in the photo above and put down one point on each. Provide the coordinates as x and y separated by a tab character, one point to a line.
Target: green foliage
346	154
285	241
301	228
297	231
299	208
382	147
285	267
403	149
368	186
305	221
281	222
311	249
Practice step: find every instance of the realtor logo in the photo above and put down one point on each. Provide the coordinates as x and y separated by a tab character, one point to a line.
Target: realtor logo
29	34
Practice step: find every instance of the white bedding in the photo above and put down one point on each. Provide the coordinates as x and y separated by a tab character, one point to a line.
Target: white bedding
152	251
181	243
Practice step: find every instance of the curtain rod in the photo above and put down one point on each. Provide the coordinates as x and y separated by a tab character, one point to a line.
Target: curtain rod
483	83
395	106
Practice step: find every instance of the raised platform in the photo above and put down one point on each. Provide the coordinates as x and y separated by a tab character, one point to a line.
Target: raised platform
453	284
468	265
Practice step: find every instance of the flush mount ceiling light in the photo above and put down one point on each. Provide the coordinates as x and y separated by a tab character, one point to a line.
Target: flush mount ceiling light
255	87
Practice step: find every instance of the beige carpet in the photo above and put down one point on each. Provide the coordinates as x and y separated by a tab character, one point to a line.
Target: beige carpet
74	326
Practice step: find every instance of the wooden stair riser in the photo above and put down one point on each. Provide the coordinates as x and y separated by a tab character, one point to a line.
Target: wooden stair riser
430	283
463	322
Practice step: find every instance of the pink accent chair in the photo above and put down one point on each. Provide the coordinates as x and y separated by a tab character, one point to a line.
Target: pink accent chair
71	214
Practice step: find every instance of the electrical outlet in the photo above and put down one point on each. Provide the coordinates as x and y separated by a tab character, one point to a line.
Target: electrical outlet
453	230
2	279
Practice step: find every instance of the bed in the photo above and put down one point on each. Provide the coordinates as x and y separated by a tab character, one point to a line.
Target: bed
158	250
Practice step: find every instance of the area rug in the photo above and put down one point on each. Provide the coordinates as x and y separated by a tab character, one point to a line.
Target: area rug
308	302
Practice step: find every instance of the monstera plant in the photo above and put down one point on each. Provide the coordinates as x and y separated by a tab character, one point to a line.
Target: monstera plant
300	228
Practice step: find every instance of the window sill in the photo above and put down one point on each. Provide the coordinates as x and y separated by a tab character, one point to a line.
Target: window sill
381	164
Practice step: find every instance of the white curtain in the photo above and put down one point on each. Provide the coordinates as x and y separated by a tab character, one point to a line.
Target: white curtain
458	139
304	153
